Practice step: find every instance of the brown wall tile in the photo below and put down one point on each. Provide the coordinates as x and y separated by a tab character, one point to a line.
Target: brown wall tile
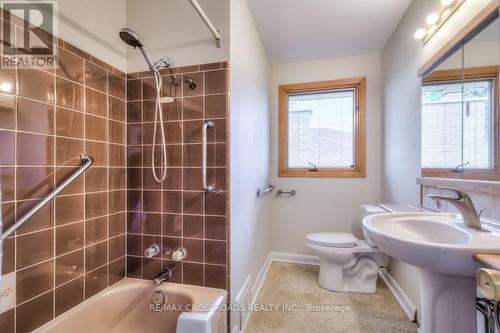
7	110
33	149
96	102
41	141
33	281
69	237
69	209
34	248
70	66
96	77
35	313
69	267
69	94
36	84
69	123
35	116
68	296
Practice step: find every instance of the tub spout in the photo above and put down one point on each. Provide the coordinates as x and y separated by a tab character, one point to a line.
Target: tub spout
164	275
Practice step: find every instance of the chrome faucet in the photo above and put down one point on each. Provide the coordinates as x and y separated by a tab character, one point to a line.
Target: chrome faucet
464	204
164	275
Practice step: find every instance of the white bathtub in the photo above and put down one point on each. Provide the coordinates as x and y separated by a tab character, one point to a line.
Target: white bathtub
126	307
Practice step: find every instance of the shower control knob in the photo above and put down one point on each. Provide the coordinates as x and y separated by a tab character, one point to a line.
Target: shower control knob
152	251
179	254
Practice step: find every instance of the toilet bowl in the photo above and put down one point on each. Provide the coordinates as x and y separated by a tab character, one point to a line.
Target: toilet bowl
347	263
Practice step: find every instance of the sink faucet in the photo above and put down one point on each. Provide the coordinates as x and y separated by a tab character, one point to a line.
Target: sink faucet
164	275
463	203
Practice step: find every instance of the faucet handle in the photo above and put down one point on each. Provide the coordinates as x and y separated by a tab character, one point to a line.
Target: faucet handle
152	250
179	254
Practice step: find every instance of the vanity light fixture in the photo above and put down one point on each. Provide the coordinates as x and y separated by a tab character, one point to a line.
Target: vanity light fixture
436	20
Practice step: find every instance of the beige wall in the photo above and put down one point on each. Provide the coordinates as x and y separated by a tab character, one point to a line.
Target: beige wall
93	26
401	58
173	28
250	224
323	204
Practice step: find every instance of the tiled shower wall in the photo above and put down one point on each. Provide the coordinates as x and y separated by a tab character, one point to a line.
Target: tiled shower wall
75	246
177	212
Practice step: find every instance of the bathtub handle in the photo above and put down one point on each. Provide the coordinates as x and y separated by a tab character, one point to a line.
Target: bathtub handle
152	251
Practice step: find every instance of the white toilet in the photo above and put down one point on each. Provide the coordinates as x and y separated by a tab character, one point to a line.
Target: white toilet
347	263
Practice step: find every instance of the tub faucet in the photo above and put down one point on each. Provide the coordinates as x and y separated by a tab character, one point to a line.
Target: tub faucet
164	275
463	203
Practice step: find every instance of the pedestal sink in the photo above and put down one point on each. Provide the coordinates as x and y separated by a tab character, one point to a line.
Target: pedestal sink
443	250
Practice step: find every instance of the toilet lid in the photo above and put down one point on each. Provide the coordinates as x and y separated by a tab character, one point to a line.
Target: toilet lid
333	239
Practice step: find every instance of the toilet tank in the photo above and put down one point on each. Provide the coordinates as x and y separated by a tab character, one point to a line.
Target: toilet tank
370	210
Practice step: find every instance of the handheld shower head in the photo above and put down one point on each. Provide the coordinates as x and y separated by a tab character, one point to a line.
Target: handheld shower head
131	38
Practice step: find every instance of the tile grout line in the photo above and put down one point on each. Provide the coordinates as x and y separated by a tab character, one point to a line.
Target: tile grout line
65	283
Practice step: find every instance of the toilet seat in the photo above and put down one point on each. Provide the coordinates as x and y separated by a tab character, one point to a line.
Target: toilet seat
333	239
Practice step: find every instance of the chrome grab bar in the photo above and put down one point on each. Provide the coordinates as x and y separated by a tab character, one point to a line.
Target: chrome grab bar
87	162
269	189
290	193
206	126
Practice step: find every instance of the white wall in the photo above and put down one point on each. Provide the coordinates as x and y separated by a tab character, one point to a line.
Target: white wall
401	58
93	26
173	28
323	204
250	227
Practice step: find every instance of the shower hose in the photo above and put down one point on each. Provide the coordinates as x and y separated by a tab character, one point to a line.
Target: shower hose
163	151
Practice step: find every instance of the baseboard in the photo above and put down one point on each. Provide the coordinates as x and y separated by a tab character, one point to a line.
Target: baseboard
409	309
294	258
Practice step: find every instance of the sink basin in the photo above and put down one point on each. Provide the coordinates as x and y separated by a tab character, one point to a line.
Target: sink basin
443	251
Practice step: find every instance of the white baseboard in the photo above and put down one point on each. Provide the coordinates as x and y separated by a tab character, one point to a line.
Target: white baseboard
409	309
294	258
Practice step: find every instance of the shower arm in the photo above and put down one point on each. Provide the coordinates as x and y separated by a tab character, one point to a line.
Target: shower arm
209	24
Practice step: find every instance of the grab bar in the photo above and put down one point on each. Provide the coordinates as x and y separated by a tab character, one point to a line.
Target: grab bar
269	189
87	162
206	126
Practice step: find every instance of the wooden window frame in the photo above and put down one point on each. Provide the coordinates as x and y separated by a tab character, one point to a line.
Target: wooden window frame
471	73
359	169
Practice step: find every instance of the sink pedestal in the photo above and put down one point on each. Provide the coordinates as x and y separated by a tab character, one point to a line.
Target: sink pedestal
448	303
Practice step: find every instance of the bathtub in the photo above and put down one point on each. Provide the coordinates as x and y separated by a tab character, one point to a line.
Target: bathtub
128	307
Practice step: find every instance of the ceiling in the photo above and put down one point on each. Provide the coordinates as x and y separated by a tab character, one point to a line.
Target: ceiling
300	30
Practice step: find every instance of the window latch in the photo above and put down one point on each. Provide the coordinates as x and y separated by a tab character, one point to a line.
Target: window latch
314	167
460	167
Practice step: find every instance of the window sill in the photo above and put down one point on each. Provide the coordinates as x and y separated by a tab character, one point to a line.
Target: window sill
304	173
478	186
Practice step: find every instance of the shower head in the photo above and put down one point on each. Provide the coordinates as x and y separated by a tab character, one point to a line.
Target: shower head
132	39
191	83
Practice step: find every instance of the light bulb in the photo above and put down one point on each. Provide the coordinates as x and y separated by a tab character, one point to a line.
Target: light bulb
432	18
447	2
420	33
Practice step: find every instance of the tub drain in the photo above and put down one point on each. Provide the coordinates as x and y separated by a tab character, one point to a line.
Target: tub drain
158	298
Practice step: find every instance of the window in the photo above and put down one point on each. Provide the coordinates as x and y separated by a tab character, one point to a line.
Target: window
322	127
458	124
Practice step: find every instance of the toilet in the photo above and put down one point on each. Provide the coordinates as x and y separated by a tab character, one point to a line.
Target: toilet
347	263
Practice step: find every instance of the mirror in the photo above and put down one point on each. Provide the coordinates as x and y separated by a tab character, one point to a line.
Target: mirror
460	114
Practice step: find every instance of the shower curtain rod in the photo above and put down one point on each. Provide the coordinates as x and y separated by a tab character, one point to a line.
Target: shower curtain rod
209	24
